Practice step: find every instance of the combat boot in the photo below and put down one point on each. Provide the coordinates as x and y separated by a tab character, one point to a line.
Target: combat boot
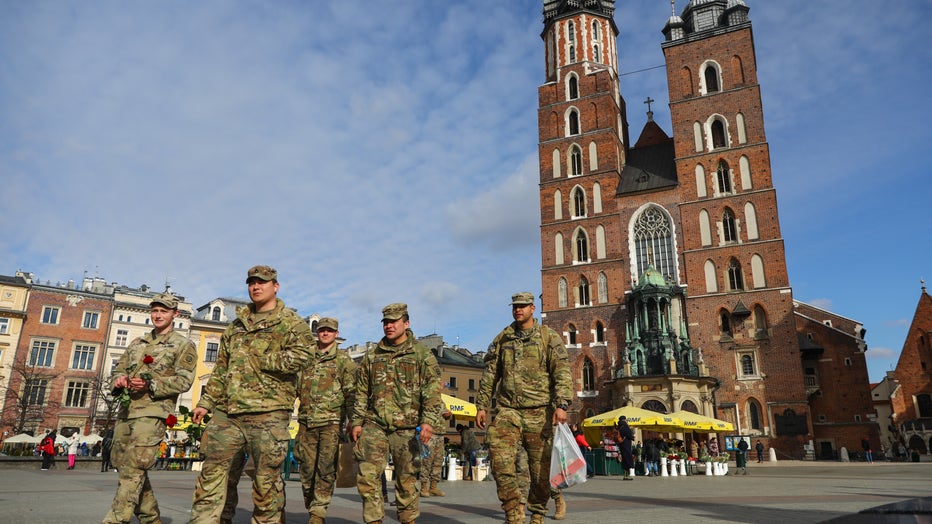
424	491
560	513
435	491
514	516
537	518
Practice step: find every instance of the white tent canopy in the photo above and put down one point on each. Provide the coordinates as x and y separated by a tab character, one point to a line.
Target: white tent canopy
23	438
91	439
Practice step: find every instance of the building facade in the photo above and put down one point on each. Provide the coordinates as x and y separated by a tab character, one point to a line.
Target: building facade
693	215
911	396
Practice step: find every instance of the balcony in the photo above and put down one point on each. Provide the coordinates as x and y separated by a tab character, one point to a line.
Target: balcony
812	384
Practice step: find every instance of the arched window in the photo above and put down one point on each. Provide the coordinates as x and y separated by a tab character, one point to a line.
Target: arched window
654	405
724	319
583	291
729	231
573	87
571	335
571	31
558	249
700	181
599	332
215	313
747	365
557	205
711	79
735	276
574	124
600	242
754	419
582	246
588	376
596	198
705	228
595	30
758	276
742	129
603	288
653	242
572	53
760	320
595	53
561	292
744	167
575	160
579	203
690	406
711	279
750	220
718	134
723	176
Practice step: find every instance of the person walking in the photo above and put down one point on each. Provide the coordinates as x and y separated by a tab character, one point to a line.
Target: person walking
397	391
625	439
250	396
47	449
866	446
433	463
584	447
741	459
759	447
153	371
106	451
528	373
73	445
326	390
470	446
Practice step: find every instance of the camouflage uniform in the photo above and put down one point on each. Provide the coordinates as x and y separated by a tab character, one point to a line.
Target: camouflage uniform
397	389
327	391
529	373
141	427
251	393
432	466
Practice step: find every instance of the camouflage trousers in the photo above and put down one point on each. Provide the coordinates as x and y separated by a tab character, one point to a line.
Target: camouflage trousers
318	451
524	477
264	436
432	465
532	430
371	452
237	468
135	448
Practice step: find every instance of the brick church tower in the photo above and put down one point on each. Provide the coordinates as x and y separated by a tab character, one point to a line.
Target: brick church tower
663	263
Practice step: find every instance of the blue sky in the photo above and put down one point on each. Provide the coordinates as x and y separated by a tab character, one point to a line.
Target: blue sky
387	151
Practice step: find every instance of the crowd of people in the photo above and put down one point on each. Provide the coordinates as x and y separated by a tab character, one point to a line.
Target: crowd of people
387	405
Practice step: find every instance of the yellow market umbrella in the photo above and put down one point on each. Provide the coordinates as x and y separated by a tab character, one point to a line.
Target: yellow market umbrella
702	423
636	417
459	408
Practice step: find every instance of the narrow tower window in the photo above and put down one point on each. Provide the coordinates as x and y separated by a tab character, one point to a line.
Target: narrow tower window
728	226
575	161
574	87
724	178
584	292
711	80
579	202
574	123
735	277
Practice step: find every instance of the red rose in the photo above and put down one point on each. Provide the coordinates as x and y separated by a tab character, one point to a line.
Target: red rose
171	420
148	359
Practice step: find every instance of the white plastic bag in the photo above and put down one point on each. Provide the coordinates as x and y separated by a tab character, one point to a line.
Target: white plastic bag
567	464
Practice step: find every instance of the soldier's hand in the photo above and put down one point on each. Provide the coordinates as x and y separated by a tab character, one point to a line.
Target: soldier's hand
427	431
355	433
121	382
198	415
480	419
559	417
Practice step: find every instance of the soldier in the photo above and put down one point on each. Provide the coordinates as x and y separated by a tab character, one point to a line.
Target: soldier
433	463
327	390
528	371
397	391
148	378
251	393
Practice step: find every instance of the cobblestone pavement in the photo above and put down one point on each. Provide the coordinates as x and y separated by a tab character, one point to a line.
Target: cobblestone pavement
794	492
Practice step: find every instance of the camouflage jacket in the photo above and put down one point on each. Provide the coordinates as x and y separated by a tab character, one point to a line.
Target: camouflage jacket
327	388
259	361
172	372
398	387
527	369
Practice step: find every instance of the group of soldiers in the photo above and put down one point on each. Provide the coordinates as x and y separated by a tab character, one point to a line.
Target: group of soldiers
389	404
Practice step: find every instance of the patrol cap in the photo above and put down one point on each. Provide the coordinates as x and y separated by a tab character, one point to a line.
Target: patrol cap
166	299
262	273
394	311
522	299
328	322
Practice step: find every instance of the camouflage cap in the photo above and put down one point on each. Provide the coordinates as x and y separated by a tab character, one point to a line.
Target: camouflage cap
262	272
522	299
394	311
166	299
328	322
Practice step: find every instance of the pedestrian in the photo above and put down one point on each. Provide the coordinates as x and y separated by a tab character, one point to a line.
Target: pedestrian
625	438
652	457
250	396
433	463
47	449
106	451
153	371
73	444
866	446
527	371
470	445
95	449
326	390
742	464
584	447
759	447
397	392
